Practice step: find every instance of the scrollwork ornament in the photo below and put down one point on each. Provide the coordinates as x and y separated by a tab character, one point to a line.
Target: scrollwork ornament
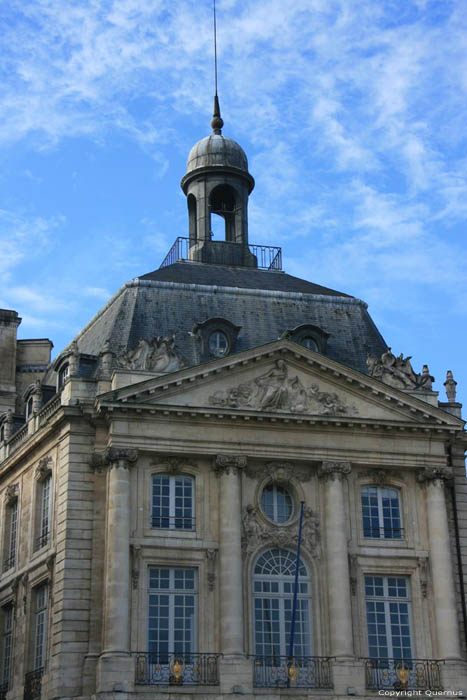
257	533
120	457
44	468
11	494
173	465
381	477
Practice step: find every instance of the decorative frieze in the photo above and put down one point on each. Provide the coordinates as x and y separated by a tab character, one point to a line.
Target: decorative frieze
332	471
258	532
277	391
278	472
226	464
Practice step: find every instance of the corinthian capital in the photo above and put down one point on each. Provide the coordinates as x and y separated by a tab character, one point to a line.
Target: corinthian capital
331	471
434	475
121	457
225	464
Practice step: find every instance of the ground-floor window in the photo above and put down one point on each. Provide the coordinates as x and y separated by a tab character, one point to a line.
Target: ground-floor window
388	617
273	586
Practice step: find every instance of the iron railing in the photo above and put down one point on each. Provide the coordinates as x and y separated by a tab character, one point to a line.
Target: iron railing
172	522
403	674
154	668
268	257
295	672
42	540
33	684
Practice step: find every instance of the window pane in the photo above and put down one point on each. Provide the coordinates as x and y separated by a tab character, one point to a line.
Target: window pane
388	618
172	502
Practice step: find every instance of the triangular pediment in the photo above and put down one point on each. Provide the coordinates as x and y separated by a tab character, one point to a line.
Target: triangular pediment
281	379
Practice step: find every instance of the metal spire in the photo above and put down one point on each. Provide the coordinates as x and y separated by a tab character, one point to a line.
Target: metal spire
216	122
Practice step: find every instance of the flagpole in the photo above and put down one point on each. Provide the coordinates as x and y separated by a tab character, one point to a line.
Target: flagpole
295	592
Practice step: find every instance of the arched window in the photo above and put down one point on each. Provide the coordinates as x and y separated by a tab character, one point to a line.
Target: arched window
273	587
192	221
381	513
223	204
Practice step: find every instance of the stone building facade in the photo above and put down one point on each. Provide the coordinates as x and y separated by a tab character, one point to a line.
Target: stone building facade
152	476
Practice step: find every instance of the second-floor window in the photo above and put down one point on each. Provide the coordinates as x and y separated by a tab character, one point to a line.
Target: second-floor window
381	513
172	502
40	627
7	646
11	534
43	530
388	617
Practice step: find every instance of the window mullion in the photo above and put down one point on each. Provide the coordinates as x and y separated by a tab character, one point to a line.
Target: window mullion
171	502
380	513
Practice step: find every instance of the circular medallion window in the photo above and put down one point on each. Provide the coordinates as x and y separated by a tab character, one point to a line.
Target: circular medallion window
218	344
309	342
277	503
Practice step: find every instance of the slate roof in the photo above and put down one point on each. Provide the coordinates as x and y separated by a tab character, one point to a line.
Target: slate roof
264	304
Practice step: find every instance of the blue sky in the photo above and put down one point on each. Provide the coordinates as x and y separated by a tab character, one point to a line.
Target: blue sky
352	114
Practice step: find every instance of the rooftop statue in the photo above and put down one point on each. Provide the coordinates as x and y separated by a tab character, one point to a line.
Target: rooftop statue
398	371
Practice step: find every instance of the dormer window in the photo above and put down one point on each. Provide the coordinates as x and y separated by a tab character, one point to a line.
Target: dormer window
218	344
217	336
63	374
310	336
29	407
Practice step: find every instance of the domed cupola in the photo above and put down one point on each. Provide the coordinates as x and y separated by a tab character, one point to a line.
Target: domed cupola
217	182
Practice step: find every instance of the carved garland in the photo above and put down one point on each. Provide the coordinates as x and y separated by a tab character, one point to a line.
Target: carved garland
278	472
257	533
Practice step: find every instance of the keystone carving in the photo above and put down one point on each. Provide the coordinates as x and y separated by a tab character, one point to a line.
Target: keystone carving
398	372
332	471
44	468
276	391
11	493
436	475
381	476
156	355
173	465
226	464
278	472
257	533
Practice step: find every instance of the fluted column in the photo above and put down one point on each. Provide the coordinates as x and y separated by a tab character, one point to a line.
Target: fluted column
444	599
117	571
228	469
338	581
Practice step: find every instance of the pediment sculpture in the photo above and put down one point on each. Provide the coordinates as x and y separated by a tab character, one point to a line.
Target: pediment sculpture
398	372
275	390
156	355
257	532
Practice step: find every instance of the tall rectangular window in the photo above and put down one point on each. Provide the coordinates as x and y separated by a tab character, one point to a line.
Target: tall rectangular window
172	612
388	617
44	512
7	646
172	502
40	626
381	512
11	534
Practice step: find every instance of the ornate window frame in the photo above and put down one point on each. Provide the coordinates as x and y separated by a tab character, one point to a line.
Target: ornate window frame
43	473
11	499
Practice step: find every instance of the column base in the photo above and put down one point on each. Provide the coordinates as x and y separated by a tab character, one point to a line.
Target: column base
236	674
348	673
115	673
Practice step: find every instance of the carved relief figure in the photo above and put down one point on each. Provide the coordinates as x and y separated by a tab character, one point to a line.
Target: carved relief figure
398	371
256	532
276	391
157	355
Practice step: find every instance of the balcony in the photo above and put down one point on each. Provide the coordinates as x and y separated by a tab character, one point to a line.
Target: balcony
403	674
33	684
154	668
225	253
296	672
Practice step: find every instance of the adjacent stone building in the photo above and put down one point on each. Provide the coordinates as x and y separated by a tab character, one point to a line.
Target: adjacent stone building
152	476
